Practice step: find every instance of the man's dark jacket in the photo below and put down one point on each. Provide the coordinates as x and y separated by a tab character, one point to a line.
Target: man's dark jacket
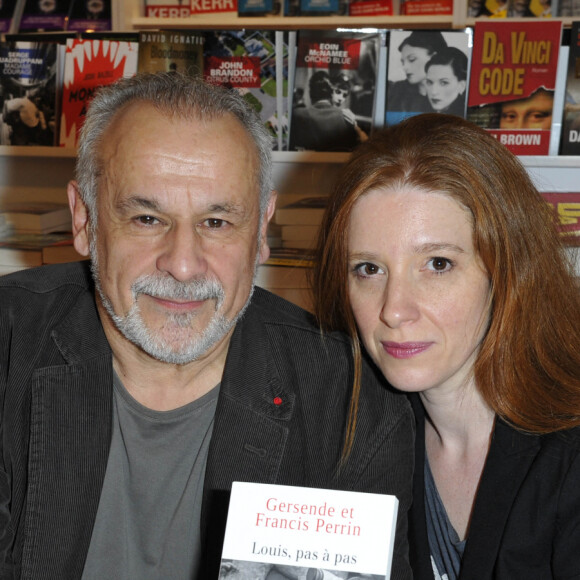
56	380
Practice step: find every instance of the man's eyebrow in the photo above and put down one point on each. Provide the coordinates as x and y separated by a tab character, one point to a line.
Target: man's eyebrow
227	208
137	202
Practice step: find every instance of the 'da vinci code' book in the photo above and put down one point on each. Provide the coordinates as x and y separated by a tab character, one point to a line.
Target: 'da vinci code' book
513	76
334	89
571	119
316	534
90	64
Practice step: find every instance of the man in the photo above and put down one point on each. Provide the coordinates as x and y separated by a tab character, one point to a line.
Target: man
130	405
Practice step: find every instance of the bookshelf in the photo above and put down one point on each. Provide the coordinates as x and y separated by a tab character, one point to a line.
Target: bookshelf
41	173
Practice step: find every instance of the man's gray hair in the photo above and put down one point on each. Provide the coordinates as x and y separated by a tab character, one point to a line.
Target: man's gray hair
178	96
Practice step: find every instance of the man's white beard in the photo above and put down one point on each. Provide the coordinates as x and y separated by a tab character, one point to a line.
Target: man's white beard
174	343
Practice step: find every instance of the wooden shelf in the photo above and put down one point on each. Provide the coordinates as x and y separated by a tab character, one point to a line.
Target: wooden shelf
230	20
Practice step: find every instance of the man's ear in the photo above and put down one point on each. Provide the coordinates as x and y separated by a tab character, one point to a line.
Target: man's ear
80	219
268	214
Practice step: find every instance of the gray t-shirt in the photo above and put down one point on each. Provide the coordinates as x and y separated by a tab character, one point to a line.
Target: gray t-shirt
148	520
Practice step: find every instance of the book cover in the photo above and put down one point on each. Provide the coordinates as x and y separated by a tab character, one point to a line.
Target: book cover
94	15
322	7
373	7
39	15
7	8
171	50
487	8
565	207
570	136
28	81
213	6
427	72
568	8
426	7
529	8
309	533
258	7
512	82
247	60
39	218
167	8
89	64
307	211
334	89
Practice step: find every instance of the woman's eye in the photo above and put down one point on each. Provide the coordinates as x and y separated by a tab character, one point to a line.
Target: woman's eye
367	269
440	264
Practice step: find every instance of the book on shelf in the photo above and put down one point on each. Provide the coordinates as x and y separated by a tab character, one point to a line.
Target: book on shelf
29	78
426	7
335	85
61	252
373	7
94	15
249	61
299	232
512	82
171	50
22	250
213	7
307	211
530	9
167	9
41	15
309	533
7	13
570	136
568	8
274	277
487	8
294	257
259	7
36	218
565	207
90	63
427	72
316	8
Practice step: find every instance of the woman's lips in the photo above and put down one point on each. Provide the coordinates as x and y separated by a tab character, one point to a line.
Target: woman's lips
405	349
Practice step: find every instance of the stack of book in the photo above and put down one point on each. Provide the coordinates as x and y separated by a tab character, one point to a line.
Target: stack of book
32	234
286	272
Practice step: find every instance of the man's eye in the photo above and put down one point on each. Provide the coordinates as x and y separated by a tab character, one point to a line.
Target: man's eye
215	223
147	220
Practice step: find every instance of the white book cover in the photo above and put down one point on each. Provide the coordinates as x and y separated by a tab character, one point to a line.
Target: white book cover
277	531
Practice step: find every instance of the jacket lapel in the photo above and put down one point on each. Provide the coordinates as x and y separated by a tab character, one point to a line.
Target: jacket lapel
250	430
510	456
69	445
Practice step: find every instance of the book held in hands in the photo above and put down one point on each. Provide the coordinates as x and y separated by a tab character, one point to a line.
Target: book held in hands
309	532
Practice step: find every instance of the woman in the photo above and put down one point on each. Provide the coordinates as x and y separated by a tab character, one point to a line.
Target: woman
410	94
446	81
439	249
